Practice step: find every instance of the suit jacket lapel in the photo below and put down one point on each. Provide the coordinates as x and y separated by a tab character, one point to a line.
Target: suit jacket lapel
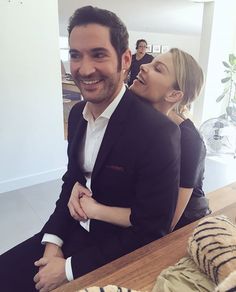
113	131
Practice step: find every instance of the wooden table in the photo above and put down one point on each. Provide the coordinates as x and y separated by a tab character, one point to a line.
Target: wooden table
222	197
139	269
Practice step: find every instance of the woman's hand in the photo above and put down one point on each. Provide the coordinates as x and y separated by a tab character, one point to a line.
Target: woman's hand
114	215
90	207
82	207
74	204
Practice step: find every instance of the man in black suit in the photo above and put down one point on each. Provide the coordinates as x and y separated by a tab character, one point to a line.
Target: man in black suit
121	149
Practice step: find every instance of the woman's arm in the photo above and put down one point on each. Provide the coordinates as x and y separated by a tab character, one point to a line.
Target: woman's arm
82	207
183	199
114	215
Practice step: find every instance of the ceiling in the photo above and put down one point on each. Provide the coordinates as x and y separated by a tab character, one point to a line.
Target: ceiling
160	16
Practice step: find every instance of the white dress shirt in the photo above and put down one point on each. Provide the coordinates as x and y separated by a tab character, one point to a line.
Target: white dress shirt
93	139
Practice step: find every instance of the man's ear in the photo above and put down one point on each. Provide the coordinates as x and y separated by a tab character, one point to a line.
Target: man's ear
174	96
126	60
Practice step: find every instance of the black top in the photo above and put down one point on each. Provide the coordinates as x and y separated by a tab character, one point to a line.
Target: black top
135	66
193	153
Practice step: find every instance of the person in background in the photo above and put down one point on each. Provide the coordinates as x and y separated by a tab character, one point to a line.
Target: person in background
171	82
119	148
139	58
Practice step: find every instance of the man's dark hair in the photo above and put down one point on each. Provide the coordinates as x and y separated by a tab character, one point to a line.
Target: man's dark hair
140	41
119	36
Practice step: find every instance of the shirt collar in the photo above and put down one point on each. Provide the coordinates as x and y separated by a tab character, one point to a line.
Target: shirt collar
109	110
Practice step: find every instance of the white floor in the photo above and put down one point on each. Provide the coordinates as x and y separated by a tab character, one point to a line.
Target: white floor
23	212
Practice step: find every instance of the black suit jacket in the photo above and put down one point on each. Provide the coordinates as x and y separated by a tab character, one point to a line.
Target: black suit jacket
137	167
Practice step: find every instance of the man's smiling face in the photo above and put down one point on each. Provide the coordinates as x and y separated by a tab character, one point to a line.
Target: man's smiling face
94	63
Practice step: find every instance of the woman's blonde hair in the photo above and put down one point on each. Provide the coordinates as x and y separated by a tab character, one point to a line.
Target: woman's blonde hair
189	78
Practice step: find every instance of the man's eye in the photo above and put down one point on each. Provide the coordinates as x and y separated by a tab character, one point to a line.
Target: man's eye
74	55
99	55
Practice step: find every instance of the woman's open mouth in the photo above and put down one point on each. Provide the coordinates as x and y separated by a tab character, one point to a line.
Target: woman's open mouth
140	79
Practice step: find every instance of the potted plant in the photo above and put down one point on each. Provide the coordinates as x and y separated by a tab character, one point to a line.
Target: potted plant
229	82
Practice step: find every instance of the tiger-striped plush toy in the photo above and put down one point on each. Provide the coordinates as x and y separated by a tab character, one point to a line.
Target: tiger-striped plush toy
213	248
108	288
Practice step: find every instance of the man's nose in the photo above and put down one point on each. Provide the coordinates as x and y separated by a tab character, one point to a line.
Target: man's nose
86	67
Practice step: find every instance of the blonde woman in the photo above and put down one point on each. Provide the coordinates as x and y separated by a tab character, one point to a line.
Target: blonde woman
171	82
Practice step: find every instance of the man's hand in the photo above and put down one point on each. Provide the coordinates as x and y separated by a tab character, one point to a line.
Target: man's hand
52	250
51	273
74	205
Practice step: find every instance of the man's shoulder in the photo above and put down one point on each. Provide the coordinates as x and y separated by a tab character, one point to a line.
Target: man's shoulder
138	103
77	109
147	126
143	112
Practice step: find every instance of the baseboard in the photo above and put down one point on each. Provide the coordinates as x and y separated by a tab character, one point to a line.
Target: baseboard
26	181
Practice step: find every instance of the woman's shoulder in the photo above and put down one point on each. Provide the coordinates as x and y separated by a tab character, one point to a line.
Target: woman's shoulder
188	127
190	135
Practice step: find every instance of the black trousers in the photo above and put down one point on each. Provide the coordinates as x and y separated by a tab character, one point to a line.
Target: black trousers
17	268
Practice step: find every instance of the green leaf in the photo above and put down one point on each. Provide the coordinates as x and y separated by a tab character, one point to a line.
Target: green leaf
219	98
232	59
226	64
224	80
229	110
226	90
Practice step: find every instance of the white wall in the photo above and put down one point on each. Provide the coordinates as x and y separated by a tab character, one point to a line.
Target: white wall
188	43
32	146
218	41
64	52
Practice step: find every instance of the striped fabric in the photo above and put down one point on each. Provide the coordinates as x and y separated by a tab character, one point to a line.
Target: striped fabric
213	248
108	288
